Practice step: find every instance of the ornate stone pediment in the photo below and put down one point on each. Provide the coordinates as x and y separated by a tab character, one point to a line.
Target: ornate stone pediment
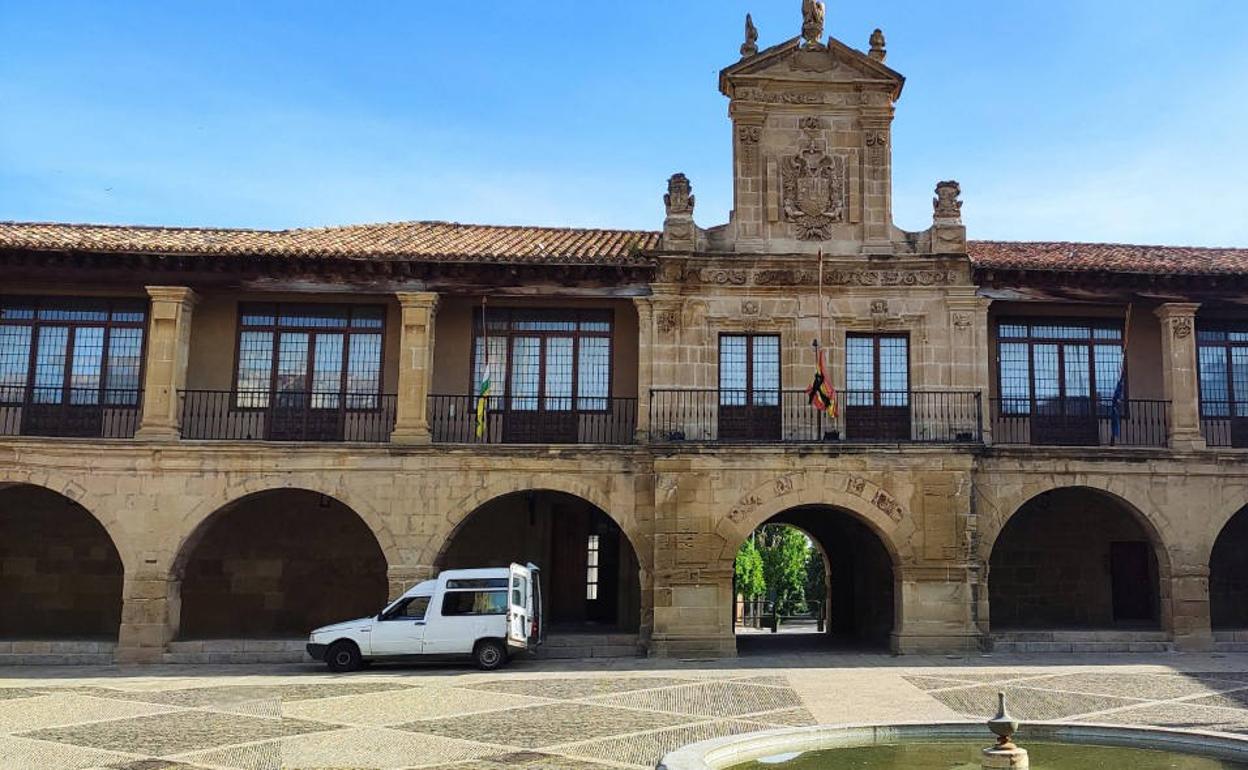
791	62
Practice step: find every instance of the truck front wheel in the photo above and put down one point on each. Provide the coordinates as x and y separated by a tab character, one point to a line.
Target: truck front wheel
343	656
489	654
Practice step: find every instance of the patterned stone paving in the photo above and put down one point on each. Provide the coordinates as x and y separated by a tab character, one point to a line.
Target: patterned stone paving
551	716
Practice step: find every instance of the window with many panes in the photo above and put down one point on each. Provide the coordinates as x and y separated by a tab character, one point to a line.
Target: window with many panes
1043	362
749	370
554	360
71	351
324	356
877	370
591	568
1222	349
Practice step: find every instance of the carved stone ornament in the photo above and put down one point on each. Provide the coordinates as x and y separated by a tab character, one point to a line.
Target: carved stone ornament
878	51
961	320
877	143
814	192
750	46
666	321
812	23
749	134
1182	328
749	307
879	307
946	206
679	198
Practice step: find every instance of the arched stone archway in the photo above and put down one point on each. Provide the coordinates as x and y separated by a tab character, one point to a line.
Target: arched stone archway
1228	576
61	574
276	564
861	591
591	573
1077	558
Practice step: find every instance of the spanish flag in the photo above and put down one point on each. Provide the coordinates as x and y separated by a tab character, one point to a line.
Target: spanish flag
821	393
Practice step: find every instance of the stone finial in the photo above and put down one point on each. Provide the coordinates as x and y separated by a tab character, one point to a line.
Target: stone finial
947	207
812	23
750	46
679	198
877	51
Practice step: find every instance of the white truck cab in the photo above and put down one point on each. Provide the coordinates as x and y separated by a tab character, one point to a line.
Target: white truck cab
486	614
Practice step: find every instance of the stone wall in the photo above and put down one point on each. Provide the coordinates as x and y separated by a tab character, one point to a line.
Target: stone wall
1050	567
60	576
278	564
1228	576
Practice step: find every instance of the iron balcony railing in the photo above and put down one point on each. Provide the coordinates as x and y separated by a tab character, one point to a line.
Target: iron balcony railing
1080	422
69	412
780	416
261	415
1224	423
533	420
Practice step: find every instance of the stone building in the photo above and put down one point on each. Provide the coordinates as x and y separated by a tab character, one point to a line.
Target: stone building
213	440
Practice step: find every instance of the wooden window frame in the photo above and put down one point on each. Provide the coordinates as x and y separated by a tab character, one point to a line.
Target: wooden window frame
277	328
111	305
573	316
750	390
1226	345
1030	340
876	390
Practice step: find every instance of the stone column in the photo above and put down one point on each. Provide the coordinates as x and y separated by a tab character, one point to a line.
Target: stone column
1189	608
645	371
168	350
416	341
403	576
933	611
1178	364
151	612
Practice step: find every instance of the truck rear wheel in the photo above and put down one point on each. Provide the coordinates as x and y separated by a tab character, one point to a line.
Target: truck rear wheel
343	656
489	654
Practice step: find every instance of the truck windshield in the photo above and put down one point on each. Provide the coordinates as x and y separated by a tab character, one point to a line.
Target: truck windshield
474	603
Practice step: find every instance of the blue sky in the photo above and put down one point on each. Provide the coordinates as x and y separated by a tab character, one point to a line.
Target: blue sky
1120	120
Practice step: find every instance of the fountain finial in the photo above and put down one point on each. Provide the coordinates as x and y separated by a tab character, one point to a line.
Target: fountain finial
1003	725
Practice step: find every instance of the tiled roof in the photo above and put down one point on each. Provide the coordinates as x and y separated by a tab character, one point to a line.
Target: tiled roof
1107	257
425	241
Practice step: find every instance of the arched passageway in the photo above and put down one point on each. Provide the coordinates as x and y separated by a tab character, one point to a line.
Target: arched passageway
60	574
277	564
590	573
1074	558
1228	575
859	596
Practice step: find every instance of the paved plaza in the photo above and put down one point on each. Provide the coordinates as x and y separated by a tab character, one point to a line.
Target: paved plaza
578	715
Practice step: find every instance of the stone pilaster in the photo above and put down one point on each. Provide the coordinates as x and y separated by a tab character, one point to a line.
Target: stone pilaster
877	181
1178	362
748	215
1189	608
151	612
970	368
168	349
645	370
934	611
416	340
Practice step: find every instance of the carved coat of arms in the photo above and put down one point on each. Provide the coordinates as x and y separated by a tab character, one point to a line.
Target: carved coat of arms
814	193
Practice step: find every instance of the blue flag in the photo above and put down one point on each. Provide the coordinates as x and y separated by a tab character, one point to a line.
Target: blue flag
1116	407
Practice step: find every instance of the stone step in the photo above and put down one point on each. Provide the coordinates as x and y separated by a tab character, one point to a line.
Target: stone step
237	651
567	646
56	652
1230	640
1081	641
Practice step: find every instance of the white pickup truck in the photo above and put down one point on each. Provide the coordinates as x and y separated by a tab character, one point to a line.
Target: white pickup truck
486	614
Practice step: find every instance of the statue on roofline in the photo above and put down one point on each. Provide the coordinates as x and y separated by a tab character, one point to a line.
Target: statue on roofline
812	23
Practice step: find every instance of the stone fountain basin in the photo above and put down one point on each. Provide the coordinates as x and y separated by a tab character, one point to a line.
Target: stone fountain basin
719	753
